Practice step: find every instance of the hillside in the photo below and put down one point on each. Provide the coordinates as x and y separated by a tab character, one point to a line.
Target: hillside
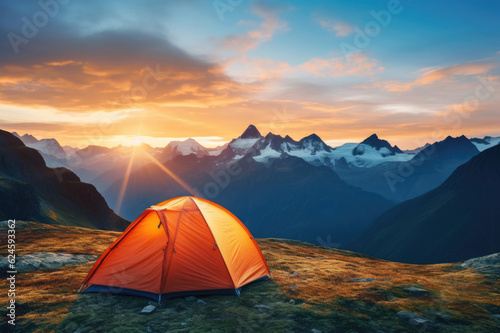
315	289
458	220
30	190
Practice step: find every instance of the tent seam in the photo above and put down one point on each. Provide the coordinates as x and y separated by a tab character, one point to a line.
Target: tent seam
256	245
221	255
173	247
163	220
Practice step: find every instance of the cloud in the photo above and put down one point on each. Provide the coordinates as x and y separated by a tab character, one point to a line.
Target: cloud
262	69
341	29
359	65
270	25
108	69
434	75
91	62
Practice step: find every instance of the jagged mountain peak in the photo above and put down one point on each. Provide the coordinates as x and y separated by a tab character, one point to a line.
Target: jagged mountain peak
314	141
375	142
461	138
450	141
312	137
26	138
251	133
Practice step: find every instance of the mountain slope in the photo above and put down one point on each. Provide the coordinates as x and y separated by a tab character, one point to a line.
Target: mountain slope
457	220
29	190
291	198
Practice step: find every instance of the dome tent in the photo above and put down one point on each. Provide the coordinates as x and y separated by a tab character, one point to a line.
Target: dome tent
182	246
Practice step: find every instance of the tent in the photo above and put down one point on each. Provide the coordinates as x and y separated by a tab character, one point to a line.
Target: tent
182	246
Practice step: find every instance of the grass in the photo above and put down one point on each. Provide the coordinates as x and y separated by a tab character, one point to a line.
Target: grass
309	290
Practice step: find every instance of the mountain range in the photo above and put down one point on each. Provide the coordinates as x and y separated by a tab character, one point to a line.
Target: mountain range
374	164
400	181
281	187
457	220
29	190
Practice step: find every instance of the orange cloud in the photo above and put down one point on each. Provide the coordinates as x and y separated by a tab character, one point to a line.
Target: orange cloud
359	65
430	76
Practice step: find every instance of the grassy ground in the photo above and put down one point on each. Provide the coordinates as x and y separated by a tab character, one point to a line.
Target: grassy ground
309	291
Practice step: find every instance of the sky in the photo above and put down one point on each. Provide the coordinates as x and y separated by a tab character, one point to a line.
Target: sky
122	72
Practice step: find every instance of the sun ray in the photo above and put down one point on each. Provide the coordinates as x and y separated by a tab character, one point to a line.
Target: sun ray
171	174
125	181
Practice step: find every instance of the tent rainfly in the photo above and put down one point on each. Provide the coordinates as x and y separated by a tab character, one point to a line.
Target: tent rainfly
182	246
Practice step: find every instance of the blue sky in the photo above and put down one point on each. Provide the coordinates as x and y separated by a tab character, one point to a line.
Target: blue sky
432	71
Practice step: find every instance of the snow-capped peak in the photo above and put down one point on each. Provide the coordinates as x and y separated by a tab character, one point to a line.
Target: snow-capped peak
186	147
373	142
314	143
485	143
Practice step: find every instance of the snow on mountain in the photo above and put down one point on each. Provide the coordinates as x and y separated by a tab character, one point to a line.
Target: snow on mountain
216	151
266	153
382	146
44	146
243	143
485	143
49	147
311	149
186	147
314	151
246	140
370	157
314	144
239	147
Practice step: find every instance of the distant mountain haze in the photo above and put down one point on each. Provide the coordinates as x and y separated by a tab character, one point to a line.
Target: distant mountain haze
458	220
29	190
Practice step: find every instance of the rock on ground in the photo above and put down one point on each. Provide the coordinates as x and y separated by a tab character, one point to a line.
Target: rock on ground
263	307
148	309
417	292
36	261
361	280
489	264
414	319
4	225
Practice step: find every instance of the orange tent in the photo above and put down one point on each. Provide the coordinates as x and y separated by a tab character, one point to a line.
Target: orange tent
182	246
